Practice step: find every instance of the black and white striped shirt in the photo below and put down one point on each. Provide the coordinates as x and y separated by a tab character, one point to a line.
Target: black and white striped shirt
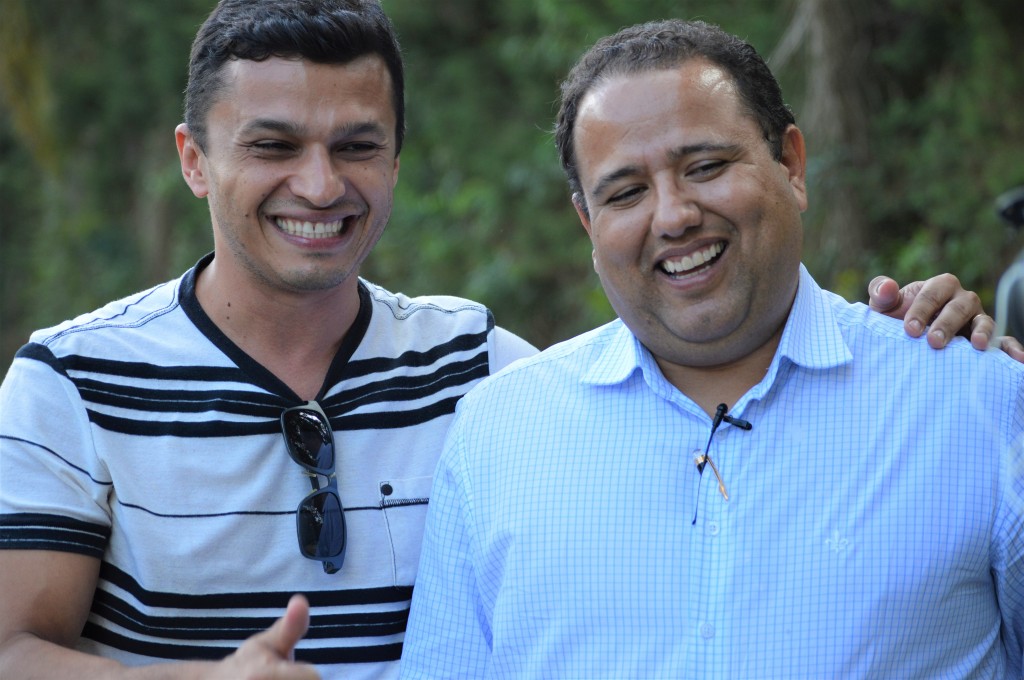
140	435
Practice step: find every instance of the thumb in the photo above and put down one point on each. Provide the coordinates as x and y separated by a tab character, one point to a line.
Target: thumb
884	294
290	628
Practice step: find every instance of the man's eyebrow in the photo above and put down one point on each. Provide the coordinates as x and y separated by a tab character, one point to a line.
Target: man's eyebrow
270	125
675	154
704	147
612	177
285	127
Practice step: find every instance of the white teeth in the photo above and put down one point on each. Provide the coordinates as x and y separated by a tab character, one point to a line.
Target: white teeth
690	262
310	229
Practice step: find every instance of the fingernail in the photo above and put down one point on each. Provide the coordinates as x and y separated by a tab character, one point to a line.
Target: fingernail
915	326
939	335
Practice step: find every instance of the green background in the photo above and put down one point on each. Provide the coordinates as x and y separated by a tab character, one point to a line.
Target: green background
913	110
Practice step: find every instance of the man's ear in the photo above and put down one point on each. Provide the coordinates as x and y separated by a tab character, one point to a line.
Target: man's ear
794	159
581	209
192	161
584	215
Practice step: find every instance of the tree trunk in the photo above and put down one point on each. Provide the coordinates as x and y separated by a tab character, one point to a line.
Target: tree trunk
835	35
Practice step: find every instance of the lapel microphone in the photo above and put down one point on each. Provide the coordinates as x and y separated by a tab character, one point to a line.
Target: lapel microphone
721	416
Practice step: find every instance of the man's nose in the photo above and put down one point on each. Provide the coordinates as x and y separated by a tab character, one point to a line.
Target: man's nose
318	178
675	210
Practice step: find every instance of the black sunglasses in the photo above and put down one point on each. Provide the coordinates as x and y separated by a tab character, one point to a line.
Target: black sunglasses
320	518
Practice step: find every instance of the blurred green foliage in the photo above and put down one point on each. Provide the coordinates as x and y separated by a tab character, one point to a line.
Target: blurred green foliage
95	208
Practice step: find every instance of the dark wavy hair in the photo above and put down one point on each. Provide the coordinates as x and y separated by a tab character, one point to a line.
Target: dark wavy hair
659	45
321	31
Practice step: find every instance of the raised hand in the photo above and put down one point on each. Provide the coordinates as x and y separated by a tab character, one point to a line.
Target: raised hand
270	655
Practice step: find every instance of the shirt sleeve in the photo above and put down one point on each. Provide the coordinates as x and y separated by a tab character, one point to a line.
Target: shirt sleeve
1009	561
447	635
53	489
506	347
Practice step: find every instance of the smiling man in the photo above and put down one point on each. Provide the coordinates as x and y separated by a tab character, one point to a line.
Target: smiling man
744	476
178	464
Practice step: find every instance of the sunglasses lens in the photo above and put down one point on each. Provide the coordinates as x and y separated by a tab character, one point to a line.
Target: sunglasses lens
321	526
309	439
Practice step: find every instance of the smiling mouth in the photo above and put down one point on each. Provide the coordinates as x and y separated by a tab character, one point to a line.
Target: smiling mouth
311	230
693	263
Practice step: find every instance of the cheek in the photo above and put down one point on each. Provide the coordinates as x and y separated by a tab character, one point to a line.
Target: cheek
619	240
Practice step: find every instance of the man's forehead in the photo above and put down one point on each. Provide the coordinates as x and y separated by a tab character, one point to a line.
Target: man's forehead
693	103
280	87
297	70
615	94
304	98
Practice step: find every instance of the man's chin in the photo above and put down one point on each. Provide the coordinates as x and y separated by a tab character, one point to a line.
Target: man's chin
314	281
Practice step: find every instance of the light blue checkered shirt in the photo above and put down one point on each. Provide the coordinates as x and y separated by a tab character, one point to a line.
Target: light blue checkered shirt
875	527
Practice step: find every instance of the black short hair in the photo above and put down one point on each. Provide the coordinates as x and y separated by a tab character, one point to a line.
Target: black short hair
322	31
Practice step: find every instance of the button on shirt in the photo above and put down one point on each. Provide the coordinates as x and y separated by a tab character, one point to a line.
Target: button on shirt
874	527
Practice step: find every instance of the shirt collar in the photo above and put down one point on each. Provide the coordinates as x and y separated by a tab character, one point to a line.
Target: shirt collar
621	355
811	339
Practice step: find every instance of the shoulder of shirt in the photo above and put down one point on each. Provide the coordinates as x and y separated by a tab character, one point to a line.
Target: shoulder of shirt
564	360
133	311
859	324
403	306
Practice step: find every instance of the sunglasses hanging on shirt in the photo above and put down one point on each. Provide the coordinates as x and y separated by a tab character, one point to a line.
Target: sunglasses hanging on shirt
320	517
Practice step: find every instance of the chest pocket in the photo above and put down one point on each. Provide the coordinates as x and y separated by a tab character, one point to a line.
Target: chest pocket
404	502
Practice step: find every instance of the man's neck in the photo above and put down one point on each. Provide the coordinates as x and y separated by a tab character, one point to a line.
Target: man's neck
293	335
709	386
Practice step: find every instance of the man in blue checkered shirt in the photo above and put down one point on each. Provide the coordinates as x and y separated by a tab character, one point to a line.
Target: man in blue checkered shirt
744	476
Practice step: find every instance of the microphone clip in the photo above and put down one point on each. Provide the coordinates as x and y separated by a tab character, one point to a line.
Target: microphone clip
702	459
721	415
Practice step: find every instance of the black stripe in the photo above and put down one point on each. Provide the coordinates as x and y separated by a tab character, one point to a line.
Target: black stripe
459	343
255	404
219	429
185	401
207	515
62	458
395	419
176	428
42	353
32	531
411	387
339	655
224	628
367	654
146	371
257	600
153	649
264	513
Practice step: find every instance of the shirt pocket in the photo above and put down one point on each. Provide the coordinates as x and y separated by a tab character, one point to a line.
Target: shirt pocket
404	502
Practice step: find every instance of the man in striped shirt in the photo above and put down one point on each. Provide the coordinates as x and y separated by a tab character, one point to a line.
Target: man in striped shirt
160	455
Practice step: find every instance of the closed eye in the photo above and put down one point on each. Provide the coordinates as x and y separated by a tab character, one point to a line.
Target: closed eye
710	168
706	170
624	196
359	149
270	146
